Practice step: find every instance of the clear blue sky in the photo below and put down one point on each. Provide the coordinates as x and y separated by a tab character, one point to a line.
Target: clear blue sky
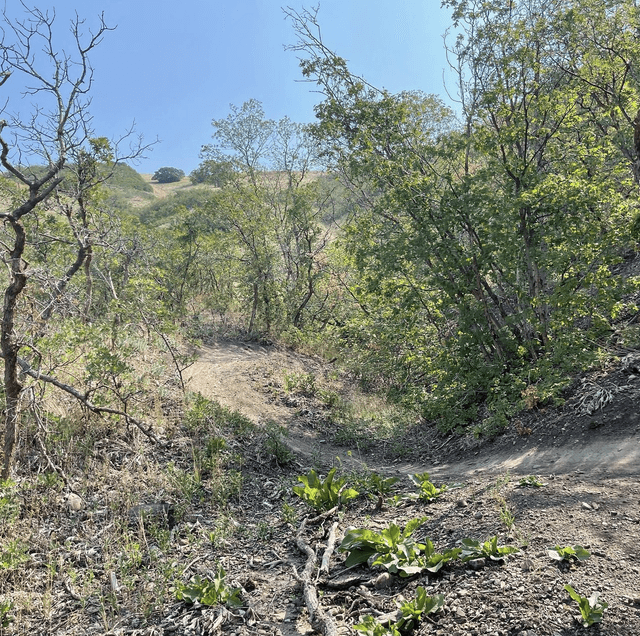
174	66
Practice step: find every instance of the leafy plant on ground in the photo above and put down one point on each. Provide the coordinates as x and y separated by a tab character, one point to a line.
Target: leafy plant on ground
427	490
363	543
374	483
568	553
413	611
395	550
592	608
530	481
324	494
275	446
12	554
413	558
411	614
5	618
371	627
472	549
302	383
209	592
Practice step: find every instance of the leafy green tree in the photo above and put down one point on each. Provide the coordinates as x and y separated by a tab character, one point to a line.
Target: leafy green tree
484	252
216	173
271	216
167	175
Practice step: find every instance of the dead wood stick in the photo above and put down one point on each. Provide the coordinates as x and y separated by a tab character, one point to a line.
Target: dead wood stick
319	518
331	542
318	617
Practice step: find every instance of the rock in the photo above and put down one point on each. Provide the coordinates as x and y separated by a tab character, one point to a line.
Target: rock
383	581
74	502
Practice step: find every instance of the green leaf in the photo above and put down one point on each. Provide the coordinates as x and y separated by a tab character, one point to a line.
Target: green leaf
578	552
591	609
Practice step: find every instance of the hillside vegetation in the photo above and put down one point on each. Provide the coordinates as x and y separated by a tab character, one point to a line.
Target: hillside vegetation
450	276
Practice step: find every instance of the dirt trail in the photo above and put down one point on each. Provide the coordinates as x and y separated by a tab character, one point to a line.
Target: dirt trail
242	376
588	495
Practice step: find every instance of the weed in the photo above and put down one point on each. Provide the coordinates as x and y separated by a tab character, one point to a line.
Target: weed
568	553
472	549
371	627
323	495
224	527
374	483
131	558
189	484
161	535
227	485
209	592
5	618
289	514
302	383
13	554
205	415
410	614
503	480
506	516
591	609
9	502
331	399
51	480
412	611
274	445
427	491
530	481
264	531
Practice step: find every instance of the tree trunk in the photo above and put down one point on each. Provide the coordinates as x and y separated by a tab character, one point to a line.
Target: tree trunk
9	344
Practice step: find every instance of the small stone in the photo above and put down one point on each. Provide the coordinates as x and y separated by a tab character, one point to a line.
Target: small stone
74	502
383	581
477	515
586	506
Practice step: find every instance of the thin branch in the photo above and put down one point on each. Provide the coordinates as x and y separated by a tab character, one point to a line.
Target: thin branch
147	429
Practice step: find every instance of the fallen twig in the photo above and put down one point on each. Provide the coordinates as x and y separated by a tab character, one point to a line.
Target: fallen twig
331	542
318	617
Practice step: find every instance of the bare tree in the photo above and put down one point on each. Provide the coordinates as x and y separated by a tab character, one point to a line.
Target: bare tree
56	134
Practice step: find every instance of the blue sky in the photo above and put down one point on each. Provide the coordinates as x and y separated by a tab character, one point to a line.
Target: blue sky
174	66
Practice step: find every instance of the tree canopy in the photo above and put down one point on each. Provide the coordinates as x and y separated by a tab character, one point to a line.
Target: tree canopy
167	175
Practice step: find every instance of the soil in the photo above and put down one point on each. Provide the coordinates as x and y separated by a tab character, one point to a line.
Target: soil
586	492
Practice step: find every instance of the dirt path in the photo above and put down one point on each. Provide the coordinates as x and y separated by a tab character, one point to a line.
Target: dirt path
245	376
